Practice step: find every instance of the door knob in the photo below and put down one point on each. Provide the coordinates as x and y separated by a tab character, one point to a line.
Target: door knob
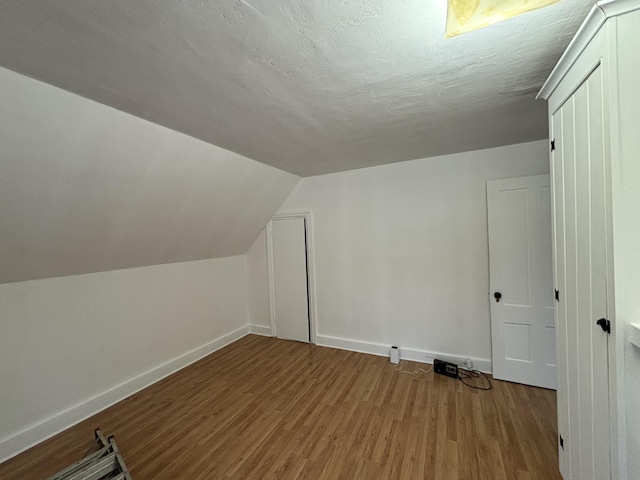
497	296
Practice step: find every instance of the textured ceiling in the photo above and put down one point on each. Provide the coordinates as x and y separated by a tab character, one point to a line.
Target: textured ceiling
308	86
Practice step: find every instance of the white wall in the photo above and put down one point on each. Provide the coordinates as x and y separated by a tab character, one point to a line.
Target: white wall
71	346
401	251
86	188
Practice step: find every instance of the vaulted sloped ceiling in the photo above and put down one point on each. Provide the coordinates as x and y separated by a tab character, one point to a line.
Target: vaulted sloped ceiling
308	86
86	188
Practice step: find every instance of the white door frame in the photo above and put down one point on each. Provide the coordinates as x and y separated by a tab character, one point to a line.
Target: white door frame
311	278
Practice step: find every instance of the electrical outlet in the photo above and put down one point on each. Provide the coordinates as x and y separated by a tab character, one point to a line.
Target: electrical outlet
467	363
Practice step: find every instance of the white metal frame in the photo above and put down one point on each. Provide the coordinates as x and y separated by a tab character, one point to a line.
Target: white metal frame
308	216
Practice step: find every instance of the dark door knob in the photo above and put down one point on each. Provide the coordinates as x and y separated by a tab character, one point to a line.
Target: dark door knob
497	296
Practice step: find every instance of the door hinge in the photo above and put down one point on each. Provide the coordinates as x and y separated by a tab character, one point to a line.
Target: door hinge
557	295
553	144
561	442
604	324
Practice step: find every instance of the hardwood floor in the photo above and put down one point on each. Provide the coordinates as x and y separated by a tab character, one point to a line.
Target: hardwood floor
264	408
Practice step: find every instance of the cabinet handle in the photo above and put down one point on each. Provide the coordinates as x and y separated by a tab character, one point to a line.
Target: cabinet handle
604	324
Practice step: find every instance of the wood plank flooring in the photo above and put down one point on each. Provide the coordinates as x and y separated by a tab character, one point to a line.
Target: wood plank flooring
264	408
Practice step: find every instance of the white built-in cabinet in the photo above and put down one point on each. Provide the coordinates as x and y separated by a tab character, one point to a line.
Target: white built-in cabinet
594	116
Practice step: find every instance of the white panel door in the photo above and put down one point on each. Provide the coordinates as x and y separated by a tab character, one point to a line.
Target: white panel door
290	278
580	198
523	330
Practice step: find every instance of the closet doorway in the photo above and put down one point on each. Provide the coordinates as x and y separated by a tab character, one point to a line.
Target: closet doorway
290	264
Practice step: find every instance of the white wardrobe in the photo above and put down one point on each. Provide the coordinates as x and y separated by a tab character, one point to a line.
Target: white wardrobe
594	116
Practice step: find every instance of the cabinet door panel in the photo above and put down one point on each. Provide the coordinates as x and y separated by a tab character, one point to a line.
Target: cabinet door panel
557	185
598	272
580	254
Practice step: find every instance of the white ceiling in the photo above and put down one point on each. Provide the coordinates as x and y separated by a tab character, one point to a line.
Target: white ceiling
308	86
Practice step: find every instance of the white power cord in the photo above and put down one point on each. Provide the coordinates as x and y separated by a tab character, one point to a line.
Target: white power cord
418	370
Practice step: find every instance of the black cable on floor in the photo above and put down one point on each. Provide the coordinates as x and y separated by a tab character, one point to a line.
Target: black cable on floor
463	374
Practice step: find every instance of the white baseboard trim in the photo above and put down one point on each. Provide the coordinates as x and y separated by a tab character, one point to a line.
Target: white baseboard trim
406	353
32	435
260	330
353	345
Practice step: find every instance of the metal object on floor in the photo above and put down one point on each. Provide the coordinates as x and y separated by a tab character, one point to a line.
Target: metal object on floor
106	463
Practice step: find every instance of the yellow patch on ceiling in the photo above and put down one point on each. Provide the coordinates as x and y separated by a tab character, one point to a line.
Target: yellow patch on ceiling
468	15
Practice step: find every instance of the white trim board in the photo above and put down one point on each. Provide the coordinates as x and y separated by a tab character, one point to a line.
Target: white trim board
263	330
634	334
599	14
19	442
406	353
